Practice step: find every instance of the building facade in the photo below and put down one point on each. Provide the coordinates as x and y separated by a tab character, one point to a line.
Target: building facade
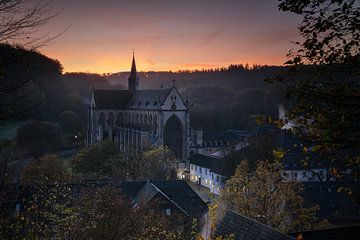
217	144
208	172
136	119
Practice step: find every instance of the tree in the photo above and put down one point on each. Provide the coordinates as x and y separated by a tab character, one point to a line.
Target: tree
258	147
212	220
8	153
159	163
84	212
49	169
99	159
20	20
46	213
69	122
322	83
38	138
152	163
264	196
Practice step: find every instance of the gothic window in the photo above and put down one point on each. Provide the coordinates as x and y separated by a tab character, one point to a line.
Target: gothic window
102	119
137	118
133	118
120	119
111	120
145	119
125	117
141	118
150	119
155	125
173	136
94	119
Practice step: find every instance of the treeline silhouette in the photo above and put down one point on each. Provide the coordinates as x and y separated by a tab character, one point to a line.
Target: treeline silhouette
219	98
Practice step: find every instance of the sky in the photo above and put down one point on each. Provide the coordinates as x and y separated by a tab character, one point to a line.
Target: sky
100	35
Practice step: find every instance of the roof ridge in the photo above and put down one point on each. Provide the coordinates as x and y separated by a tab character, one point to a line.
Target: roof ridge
207	156
177	205
260	223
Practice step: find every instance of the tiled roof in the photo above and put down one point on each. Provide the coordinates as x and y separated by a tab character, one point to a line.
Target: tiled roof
216	165
294	147
111	99
124	99
229	135
343	233
247	229
176	190
149	191
295	161
130	189
335	205
181	193
148	98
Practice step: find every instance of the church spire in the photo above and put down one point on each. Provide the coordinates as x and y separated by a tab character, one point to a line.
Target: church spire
133	80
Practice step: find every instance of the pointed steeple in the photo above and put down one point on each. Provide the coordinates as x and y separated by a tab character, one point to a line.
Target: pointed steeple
133	80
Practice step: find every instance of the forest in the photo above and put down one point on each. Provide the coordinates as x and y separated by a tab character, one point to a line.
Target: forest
219	99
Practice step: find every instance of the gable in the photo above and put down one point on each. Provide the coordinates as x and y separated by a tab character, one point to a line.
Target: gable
174	101
148	99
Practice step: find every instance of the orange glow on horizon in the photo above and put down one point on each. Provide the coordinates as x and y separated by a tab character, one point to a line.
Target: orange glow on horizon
108	64
190	36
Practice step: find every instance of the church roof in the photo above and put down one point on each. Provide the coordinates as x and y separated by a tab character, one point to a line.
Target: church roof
111	99
124	99
148	98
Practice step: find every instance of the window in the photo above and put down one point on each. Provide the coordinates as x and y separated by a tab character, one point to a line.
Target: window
217	178
206	171
168	212
212	176
195	168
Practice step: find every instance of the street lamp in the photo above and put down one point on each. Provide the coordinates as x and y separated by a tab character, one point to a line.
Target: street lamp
76	142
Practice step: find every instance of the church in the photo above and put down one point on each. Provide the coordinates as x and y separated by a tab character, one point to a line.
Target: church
136	119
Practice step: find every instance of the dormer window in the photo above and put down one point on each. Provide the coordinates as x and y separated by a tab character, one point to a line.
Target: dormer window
147	103
139	103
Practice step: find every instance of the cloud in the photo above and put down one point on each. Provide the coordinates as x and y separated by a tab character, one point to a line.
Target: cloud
222	30
150	62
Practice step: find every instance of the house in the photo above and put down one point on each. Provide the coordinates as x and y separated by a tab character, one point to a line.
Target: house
217	144
168	196
244	228
301	163
207	171
173	196
336	200
343	233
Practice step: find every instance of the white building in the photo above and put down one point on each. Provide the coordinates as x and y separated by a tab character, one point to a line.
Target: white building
207	171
